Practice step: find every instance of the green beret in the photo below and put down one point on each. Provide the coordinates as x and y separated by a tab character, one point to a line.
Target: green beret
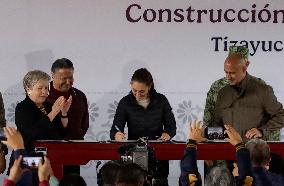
243	51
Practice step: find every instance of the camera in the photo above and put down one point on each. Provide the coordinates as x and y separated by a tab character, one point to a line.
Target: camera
137	153
140	153
215	133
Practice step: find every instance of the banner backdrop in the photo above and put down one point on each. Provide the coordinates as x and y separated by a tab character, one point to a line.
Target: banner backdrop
183	44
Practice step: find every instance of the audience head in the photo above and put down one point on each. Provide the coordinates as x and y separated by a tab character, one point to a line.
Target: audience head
142	84
236	64
72	180
62	74
259	152
219	176
109	172
36	86
130	175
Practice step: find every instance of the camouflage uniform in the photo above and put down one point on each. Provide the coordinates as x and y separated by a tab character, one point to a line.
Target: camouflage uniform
211	99
212	94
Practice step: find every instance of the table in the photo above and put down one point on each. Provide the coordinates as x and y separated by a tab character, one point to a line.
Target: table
81	152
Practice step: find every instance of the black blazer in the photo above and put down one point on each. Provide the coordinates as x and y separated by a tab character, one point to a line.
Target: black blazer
33	124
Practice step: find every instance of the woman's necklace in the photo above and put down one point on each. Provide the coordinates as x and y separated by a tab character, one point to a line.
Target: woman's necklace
42	109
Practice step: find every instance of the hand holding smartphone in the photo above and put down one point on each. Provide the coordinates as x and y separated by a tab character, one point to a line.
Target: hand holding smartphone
34	158
215	133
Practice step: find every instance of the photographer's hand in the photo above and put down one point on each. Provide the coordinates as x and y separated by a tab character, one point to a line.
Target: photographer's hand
44	169
14	138
234	136
195	131
16	170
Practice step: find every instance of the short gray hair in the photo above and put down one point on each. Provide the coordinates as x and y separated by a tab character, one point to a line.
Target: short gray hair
220	176
32	77
259	152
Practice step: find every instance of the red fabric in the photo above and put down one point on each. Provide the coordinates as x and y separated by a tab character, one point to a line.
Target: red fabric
7	182
78	116
43	183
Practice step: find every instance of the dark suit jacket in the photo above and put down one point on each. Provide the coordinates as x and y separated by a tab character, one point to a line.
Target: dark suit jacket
34	125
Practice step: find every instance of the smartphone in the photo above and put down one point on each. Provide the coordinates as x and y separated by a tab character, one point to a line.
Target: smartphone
31	161
215	133
34	158
2	135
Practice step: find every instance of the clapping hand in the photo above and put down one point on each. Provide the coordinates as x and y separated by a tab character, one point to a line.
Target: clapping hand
58	105
66	106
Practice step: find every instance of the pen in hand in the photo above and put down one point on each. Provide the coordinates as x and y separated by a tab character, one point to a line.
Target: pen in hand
119	136
159	138
116	127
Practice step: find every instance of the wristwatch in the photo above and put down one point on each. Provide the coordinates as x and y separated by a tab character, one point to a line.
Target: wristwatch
3	148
